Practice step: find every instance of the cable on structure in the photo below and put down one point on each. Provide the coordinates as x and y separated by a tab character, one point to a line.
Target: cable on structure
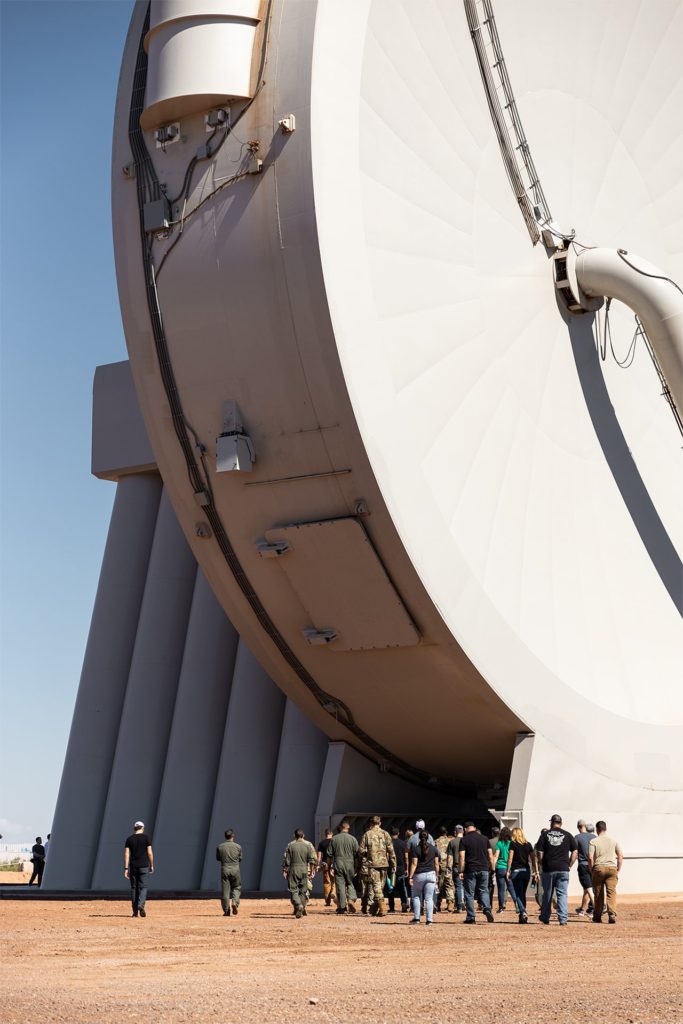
148	184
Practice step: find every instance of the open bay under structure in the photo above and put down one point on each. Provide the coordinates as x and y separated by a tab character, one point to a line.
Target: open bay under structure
402	529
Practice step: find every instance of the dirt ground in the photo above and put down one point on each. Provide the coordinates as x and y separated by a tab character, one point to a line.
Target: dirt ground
92	963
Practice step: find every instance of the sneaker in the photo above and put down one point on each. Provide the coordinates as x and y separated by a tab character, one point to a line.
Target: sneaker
612	920
340	911
226	913
523	919
135	912
414	920
427	923
469	920
580	912
143	912
562	923
501	910
489	916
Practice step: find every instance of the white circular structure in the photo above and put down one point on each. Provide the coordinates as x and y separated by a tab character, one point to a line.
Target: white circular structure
461	525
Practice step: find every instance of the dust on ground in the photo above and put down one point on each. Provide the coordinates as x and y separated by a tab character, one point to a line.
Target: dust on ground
91	963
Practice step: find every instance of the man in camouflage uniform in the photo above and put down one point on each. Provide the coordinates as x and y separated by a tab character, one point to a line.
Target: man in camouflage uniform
377	855
445	889
298	866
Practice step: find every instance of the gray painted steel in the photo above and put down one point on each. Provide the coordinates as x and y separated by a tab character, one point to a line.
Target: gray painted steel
150	695
106	666
194	745
244	785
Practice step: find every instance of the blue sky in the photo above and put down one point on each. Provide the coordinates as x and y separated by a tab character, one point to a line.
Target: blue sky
59	319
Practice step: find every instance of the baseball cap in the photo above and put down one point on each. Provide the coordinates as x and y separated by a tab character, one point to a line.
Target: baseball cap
139	824
459	828
556	819
419	823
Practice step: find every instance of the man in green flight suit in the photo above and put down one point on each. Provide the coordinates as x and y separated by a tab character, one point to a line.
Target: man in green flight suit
342	851
377	853
298	866
229	854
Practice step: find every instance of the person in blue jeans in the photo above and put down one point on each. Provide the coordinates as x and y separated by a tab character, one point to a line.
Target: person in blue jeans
424	871
475	862
521	863
138	864
452	864
556	851
501	855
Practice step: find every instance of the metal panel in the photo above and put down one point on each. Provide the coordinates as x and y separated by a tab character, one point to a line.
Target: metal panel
339	579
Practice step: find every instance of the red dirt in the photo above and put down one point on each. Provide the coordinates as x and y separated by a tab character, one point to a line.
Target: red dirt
87	962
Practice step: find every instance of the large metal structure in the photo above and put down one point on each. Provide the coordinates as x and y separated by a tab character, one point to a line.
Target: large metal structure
445	527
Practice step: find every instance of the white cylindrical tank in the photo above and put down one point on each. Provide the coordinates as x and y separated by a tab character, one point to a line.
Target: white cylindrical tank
199	56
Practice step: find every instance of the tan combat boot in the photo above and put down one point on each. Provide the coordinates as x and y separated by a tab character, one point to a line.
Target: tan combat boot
449	907
381	912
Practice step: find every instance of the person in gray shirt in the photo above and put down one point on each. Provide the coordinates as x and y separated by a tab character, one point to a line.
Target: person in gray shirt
583	839
229	854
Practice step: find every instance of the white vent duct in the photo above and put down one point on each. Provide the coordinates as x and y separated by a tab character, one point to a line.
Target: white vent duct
655	299
199	56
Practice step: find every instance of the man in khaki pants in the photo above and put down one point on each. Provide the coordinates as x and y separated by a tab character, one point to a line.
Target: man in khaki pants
604	861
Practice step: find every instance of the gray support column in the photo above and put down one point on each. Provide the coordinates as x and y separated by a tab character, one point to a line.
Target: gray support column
194	746
300	764
106	665
244	785
150	696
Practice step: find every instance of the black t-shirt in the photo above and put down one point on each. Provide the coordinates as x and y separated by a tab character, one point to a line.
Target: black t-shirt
425	863
556	845
400	851
137	844
522	852
476	847
324	849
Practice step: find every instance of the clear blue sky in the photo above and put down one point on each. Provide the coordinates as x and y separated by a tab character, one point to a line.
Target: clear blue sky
59	319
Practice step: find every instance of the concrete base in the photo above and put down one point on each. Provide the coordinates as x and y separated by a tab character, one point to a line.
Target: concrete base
545	781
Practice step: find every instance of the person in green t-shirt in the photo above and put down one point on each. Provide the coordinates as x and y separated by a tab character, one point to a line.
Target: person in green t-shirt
501	855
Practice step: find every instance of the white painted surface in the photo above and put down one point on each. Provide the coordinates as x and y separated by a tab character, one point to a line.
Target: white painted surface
446	323
200	55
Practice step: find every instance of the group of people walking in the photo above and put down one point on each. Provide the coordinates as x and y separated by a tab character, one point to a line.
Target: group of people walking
455	872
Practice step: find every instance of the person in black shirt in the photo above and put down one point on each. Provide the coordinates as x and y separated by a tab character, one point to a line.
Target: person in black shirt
400	888
475	862
424	871
324	866
38	861
521	863
138	864
556	850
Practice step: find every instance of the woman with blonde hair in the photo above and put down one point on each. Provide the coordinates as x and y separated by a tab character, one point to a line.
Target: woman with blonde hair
521	864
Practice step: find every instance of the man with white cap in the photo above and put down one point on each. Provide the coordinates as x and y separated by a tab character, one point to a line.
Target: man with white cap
138	864
414	841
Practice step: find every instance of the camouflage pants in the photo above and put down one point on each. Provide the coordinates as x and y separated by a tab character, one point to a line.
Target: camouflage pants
376	879
446	887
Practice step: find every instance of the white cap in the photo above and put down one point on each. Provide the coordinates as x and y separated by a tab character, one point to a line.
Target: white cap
419	823
139	824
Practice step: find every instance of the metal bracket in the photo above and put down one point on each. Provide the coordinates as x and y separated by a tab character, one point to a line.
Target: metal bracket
266	550
319	637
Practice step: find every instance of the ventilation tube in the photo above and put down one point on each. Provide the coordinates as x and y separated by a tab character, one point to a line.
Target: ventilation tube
654	298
